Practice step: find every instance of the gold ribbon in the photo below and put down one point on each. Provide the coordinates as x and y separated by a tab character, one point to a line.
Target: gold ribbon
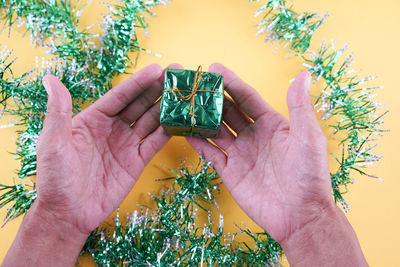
197	80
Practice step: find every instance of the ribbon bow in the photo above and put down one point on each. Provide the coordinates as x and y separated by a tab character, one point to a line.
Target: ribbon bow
197	79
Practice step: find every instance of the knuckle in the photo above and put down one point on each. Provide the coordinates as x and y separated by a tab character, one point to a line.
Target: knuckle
323	140
48	148
120	96
153	146
319	140
320	137
244	99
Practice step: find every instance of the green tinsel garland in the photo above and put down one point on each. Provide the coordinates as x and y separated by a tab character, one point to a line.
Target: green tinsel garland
344	100
86	64
171	235
86	68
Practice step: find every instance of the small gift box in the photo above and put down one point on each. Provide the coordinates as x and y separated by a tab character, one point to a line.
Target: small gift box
192	102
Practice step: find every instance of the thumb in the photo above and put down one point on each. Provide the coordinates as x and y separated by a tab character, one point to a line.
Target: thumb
303	121
58	120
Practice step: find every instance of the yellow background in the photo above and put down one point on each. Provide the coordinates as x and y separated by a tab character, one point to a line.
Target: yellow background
193	32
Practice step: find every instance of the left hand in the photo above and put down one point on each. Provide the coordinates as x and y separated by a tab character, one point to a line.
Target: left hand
276	170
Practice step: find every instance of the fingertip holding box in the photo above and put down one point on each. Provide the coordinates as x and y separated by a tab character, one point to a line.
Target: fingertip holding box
192	103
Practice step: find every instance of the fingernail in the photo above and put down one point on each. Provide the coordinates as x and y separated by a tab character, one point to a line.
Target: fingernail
307	81
46	85
213	67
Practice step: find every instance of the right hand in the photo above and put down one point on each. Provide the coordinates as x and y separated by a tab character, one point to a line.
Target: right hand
276	170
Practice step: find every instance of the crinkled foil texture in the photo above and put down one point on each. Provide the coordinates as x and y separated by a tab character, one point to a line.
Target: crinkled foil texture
175	113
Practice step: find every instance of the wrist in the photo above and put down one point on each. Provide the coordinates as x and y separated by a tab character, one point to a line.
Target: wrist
326	216
60	228
329	240
45	240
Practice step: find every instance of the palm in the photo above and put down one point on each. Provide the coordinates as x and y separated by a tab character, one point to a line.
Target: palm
100	156
277	173
106	166
277	185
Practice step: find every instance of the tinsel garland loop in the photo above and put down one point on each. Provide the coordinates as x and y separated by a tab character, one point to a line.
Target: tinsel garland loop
345	101
170	234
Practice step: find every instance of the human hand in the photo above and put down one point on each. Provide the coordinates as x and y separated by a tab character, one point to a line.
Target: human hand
86	165
277	170
89	163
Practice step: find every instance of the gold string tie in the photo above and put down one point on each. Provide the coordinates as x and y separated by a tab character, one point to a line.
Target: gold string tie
197	79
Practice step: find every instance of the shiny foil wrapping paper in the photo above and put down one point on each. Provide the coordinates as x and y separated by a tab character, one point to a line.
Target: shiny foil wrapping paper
200	116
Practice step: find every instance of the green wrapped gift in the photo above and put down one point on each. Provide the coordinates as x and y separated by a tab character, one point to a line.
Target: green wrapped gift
192	102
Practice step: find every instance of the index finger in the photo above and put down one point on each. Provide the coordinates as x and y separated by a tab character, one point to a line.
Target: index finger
124	93
244	95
